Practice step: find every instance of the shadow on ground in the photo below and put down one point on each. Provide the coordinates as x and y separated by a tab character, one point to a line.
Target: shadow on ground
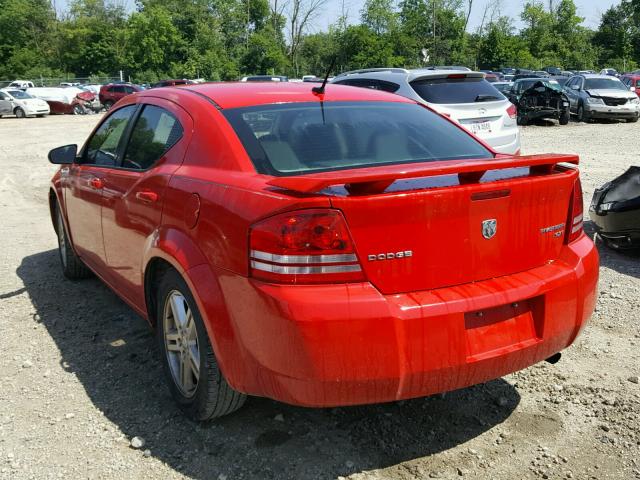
112	353
626	262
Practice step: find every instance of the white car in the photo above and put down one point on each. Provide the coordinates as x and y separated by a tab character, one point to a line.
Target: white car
21	104
461	95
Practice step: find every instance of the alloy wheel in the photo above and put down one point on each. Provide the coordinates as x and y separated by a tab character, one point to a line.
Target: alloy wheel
181	343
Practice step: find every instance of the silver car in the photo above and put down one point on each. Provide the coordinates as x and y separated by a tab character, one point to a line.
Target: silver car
463	96
21	104
601	96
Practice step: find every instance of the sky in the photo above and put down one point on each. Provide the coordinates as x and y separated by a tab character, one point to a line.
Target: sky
591	10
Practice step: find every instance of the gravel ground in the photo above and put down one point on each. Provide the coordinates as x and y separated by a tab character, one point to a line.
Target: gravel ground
80	377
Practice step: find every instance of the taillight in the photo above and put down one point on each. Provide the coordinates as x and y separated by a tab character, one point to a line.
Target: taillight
306	246
575	223
512	111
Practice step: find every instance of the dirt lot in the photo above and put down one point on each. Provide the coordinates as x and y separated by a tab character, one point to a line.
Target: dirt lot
80	377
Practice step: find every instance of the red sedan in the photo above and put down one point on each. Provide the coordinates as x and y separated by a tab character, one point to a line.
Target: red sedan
323	248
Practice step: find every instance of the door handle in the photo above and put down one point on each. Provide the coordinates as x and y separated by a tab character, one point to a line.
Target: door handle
96	183
147	196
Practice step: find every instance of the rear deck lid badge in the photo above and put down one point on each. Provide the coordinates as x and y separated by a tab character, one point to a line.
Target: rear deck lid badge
489	228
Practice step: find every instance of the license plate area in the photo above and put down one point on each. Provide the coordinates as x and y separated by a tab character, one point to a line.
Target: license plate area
499	330
479	127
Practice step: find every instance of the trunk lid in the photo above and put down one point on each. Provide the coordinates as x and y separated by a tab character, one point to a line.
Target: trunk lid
442	230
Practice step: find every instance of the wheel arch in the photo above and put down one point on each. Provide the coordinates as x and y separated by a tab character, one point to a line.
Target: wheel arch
168	248
173	249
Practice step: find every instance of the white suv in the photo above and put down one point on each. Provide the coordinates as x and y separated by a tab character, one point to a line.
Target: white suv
463	96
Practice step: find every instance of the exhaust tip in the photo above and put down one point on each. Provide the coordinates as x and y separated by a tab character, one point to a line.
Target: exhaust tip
553	359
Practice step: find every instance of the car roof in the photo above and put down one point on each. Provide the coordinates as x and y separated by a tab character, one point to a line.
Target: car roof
246	94
395	74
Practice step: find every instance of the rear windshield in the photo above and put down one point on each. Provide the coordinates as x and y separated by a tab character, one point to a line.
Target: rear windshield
603	84
456	90
296	138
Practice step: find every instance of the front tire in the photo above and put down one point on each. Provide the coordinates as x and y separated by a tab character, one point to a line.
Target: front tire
193	375
107	105
564	117
72	267
19	113
582	116
633	120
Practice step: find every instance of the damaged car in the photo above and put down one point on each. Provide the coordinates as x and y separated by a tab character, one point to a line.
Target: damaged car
601	96
615	211
67	100
538	98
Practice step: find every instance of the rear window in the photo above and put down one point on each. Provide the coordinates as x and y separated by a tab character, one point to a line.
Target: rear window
456	90
297	138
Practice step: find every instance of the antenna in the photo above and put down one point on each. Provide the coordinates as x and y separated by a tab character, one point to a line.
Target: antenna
320	90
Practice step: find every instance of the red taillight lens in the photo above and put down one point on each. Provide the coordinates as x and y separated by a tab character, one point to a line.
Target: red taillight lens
307	246
512	111
575	223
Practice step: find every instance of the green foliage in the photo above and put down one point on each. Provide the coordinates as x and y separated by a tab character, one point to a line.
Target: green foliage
225	39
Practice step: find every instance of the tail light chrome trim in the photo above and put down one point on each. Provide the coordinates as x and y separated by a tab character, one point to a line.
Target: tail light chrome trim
304	270
577	223
302	259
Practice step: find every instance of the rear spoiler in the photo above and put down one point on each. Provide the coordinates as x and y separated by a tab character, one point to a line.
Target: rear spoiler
371	179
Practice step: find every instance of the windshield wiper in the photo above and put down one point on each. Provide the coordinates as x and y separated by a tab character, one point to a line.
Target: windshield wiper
486	98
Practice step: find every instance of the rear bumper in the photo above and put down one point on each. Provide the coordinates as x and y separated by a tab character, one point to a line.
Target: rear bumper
507	144
349	344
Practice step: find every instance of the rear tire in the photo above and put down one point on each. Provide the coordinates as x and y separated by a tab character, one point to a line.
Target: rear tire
72	267
19	113
201	392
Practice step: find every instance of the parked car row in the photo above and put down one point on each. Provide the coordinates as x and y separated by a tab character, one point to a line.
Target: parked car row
69	97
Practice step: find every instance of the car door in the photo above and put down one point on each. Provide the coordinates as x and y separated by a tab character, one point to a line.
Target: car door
134	192
572	94
6	107
84	183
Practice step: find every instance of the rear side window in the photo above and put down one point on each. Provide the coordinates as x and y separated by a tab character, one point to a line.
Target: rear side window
456	90
297	138
155	132
371	83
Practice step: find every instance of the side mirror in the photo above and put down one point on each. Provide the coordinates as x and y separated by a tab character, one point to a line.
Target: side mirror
63	155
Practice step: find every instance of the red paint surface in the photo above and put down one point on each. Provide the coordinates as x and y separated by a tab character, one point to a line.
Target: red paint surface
461	310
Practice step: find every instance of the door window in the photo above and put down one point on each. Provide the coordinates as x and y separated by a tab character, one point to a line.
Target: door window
4	96
102	148
128	90
155	132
